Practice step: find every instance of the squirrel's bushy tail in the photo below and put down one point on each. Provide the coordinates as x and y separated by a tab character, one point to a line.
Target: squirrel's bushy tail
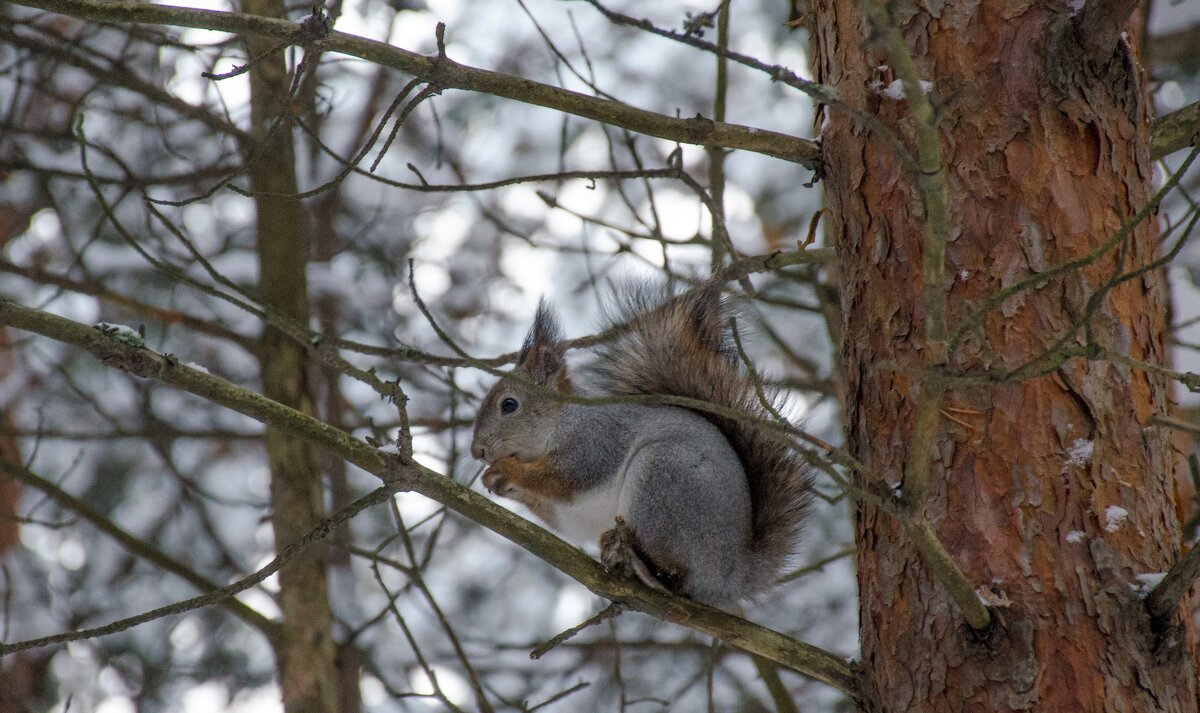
681	345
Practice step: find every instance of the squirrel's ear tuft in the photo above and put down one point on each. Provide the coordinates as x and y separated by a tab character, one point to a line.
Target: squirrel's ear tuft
545	329
542	356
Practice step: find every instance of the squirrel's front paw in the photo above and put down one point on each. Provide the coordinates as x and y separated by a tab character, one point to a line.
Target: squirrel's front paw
496	481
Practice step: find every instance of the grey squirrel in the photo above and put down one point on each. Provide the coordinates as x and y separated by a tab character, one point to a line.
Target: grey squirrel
691	502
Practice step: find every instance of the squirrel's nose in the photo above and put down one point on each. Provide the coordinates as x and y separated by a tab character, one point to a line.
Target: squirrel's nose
478	451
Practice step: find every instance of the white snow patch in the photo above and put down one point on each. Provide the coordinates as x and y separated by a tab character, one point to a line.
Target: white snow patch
117	329
1150	580
1146	583
1080	452
122	333
1076	536
390	449
198	367
1114	517
895	90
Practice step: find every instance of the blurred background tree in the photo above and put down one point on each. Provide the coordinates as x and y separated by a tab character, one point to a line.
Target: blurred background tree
281	211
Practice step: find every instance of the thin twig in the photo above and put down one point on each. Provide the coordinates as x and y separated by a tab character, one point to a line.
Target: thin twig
418	580
451	75
608	612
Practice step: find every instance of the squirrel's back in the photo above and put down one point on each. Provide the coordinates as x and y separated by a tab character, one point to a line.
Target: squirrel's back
681	345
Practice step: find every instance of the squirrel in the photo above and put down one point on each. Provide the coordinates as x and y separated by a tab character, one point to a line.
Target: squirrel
688	501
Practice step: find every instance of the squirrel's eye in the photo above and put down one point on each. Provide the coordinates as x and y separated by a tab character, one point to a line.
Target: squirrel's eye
508	405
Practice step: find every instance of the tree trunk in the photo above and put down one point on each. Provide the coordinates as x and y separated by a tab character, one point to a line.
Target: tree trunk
306	661
1052	493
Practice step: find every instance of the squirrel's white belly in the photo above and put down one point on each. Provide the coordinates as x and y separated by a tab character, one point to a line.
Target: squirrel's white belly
590	515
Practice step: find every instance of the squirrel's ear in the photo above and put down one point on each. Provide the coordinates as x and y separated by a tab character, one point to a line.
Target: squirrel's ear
542	356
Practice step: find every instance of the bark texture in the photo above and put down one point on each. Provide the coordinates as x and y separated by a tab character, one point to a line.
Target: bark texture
306	652
1052	493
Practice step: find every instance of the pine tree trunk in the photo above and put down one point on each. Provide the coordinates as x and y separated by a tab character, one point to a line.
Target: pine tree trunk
1052	493
306	652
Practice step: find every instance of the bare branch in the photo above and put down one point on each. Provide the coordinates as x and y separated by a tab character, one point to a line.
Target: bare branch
1175	131
445	73
608	612
947	571
1163	601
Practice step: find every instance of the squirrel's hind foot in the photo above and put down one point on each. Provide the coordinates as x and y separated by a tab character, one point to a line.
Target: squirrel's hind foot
619	552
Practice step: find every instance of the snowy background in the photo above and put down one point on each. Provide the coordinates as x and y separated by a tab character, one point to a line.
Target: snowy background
190	477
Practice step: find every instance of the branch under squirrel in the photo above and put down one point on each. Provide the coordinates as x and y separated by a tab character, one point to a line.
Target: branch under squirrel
786	651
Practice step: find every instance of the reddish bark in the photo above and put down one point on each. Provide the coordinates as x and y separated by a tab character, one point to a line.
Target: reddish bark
1047	156
10	490
22	676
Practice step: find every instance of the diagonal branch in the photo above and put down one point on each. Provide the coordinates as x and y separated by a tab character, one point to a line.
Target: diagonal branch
784	650
1163	601
447	74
